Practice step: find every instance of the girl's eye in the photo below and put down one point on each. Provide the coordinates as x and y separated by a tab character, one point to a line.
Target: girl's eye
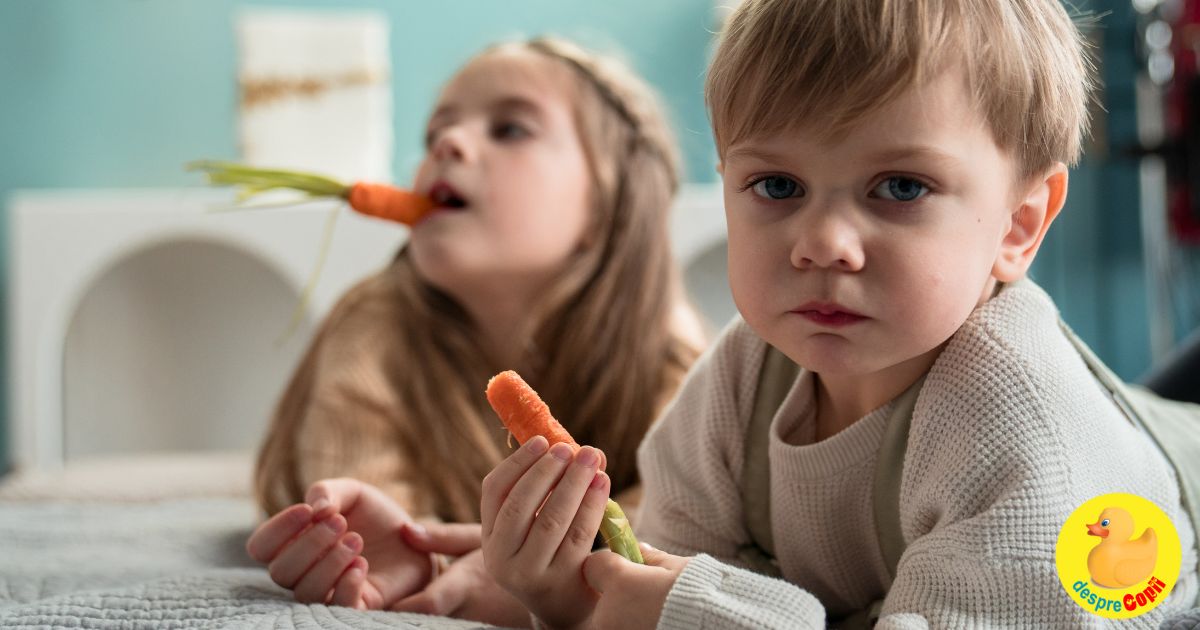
775	187
509	131
430	137
901	189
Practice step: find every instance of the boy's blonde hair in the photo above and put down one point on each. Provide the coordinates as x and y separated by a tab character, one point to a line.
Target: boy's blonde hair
826	64
603	345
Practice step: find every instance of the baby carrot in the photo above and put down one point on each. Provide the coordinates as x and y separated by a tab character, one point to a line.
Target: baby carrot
522	410
525	416
388	202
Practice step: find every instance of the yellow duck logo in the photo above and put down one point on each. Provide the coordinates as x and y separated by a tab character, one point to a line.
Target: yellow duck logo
1119	561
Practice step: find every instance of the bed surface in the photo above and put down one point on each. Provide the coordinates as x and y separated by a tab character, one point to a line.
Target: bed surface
150	543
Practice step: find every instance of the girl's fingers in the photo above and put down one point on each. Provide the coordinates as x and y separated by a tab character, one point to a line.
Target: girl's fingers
349	589
320	579
516	514
442	597
577	542
291	564
451	539
271	536
498	483
333	496
558	515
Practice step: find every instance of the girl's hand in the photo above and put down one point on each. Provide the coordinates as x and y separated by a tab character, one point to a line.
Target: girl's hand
343	546
541	510
466	591
631	595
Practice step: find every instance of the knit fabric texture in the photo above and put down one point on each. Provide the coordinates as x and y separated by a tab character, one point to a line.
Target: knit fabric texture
1010	434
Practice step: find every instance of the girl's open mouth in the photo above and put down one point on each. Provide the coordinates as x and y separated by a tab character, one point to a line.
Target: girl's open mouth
446	197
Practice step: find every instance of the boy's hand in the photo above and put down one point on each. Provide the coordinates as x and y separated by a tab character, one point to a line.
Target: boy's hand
631	595
343	546
541	510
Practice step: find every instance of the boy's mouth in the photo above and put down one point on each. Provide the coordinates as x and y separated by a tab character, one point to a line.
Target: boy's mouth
828	314
446	197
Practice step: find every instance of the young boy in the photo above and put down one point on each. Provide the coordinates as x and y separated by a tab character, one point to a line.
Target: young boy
890	171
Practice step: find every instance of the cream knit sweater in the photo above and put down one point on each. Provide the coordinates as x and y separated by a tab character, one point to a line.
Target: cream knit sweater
1010	434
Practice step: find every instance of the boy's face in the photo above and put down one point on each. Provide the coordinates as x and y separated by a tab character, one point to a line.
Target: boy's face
856	255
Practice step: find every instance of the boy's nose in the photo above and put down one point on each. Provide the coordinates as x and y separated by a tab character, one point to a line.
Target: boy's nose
827	242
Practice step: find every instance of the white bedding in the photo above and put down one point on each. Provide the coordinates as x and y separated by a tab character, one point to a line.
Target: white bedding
162	554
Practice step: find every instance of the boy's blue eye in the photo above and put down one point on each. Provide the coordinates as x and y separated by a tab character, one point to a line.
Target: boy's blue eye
1104	523
775	187
901	189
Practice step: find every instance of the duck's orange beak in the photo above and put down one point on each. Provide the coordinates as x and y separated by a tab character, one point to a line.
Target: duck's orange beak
1094	529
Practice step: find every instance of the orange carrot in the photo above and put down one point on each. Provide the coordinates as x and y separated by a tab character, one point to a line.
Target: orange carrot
525	416
388	202
523	412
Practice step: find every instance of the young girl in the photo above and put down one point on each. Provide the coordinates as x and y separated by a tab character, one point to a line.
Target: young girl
553	171
890	171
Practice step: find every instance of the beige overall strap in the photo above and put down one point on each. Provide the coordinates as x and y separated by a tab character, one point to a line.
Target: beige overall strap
888	472
885	499
775	380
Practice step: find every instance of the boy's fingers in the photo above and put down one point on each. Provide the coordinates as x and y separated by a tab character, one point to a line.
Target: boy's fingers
562	522
323	576
349	589
271	536
577	541
516	514
498	483
333	496
603	569
294	561
451	539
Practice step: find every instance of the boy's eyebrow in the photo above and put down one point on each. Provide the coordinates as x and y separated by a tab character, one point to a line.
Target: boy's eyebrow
752	152
901	153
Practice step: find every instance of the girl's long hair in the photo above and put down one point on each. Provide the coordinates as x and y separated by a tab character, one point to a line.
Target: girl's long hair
604	346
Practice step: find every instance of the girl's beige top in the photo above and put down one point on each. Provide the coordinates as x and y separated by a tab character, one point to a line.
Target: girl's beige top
1010	434
342	414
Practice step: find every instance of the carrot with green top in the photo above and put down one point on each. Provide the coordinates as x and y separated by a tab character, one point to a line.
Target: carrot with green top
382	201
525	415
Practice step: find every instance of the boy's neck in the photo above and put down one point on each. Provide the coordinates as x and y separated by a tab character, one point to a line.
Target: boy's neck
842	400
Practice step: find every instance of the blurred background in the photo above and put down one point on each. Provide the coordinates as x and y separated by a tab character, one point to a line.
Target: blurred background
137	322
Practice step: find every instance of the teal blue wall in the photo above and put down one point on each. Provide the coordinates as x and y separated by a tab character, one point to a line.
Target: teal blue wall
117	93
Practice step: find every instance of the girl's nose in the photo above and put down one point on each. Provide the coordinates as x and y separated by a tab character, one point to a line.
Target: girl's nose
827	240
451	144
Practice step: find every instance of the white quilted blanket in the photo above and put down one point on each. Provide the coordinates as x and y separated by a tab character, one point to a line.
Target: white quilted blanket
165	564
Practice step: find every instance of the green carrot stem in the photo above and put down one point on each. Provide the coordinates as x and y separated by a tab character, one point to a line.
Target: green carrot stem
618	535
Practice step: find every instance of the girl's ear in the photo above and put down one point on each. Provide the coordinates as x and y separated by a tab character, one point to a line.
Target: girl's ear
1029	222
720	168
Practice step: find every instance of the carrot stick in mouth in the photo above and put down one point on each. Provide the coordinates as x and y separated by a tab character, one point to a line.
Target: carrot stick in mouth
525	416
382	201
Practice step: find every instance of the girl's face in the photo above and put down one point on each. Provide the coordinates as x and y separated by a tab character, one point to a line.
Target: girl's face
505	166
862	254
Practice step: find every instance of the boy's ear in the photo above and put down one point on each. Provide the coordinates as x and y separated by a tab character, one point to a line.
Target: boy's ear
1029	222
